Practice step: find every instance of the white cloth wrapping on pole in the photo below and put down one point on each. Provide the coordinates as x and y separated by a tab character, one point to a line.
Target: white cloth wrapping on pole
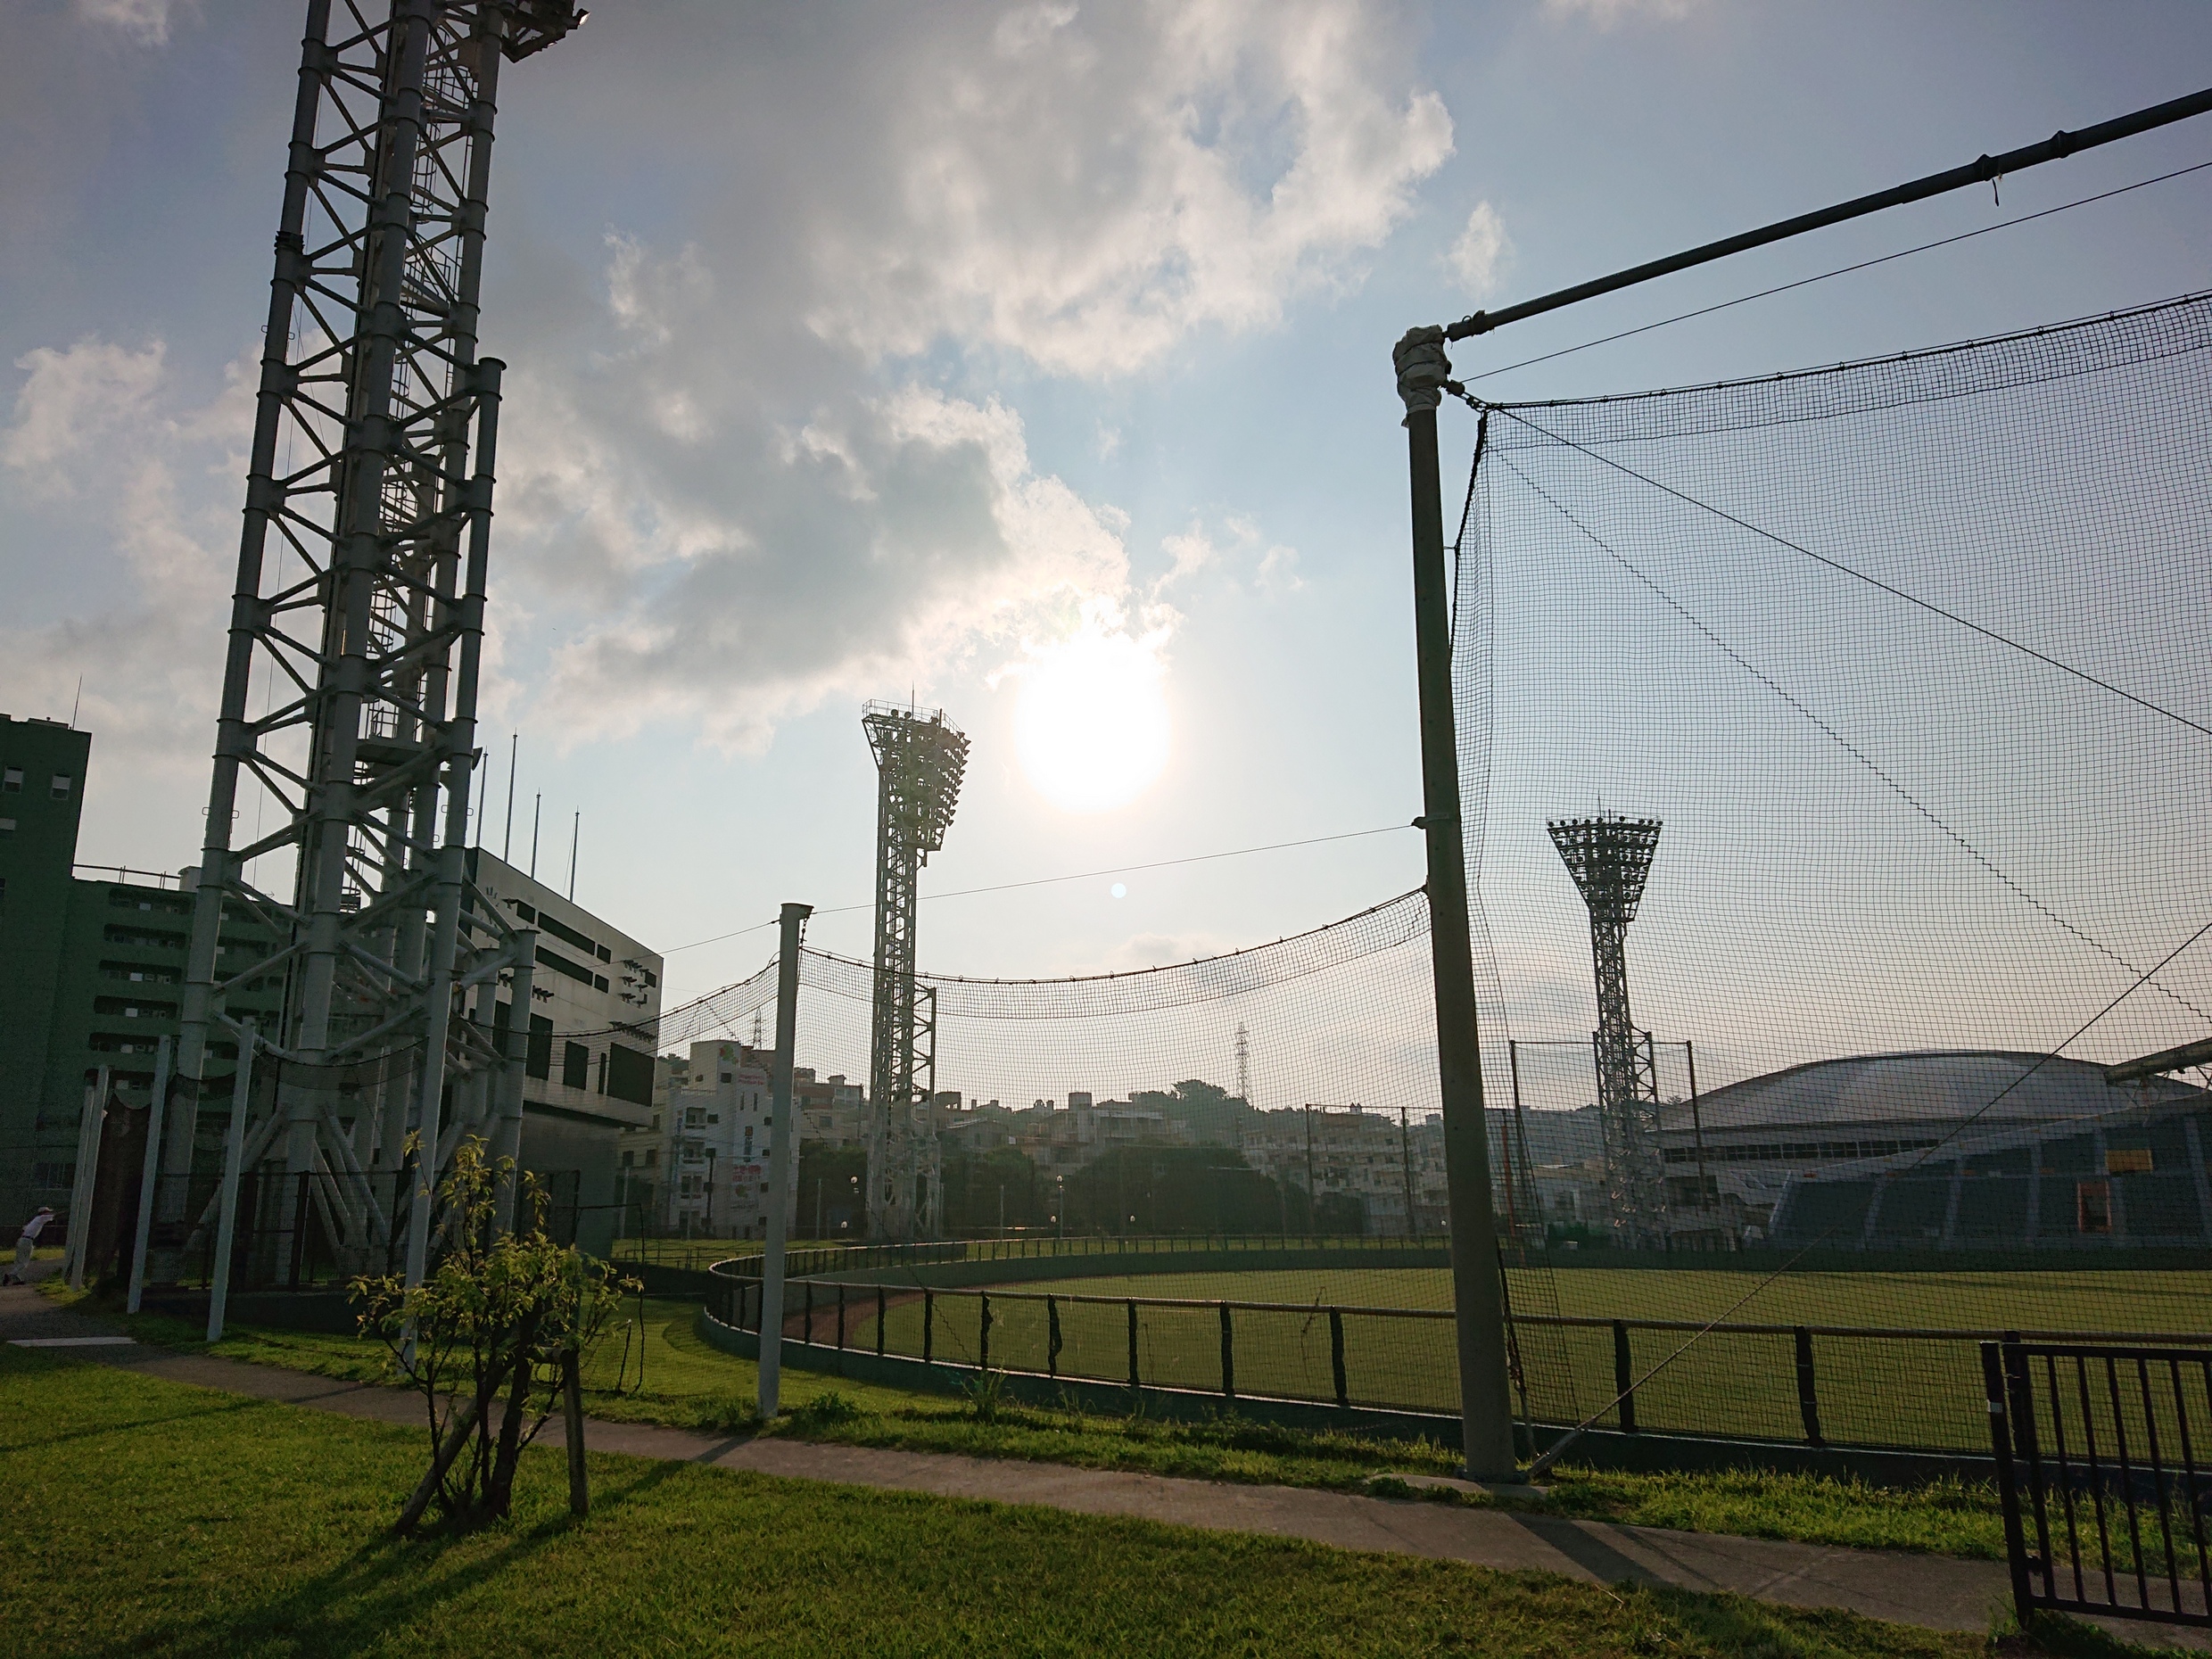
234	1156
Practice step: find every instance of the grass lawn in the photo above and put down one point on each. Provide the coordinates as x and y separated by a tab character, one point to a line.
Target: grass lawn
150	1517
1896	1391
689	1385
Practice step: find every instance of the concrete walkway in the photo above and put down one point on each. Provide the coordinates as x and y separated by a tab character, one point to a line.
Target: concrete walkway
1934	1592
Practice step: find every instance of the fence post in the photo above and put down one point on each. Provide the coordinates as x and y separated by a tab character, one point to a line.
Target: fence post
1808	1395
1052	1336
809	1338
1336	1357
1135	1384
882	1303
1624	1376
840	1316
2007	1487
1228	1356
929	1324
983	1332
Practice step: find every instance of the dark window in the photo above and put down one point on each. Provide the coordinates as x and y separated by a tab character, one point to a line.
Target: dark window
567	935
576	1066
629	1075
502	1019
2093	1206
12	780
539	1061
523	911
603	954
61	786
599	982
561	964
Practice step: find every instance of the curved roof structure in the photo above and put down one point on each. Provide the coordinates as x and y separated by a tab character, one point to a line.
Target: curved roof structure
1994	1087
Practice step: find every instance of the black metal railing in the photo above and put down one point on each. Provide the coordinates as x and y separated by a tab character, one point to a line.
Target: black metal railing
2099	1453
1875	1388
736	1257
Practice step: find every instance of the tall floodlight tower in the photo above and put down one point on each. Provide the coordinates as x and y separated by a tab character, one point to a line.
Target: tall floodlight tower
1609	859
921	758
356	625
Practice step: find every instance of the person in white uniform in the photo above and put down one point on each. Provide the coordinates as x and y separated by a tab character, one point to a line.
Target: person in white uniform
26	1243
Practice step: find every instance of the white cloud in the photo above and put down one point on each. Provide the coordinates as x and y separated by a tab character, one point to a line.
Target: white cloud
73	401
751	457
145	21
1095	190
156	478
1479	251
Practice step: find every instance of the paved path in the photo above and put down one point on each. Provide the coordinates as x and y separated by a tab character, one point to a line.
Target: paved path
1934	1592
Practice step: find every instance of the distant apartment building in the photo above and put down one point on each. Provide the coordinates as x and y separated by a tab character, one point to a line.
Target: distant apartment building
92	966
831	1110
715	1171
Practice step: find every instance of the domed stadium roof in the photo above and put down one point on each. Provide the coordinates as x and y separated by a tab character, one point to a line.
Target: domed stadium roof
1995	1087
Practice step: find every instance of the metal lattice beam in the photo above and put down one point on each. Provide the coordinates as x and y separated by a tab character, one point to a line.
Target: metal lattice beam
1609	859
920	759
357	620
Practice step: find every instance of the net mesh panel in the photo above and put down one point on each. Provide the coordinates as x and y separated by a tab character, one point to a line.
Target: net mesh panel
1920	876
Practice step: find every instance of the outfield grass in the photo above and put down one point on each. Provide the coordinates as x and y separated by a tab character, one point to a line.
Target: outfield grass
150	1517
1890	1391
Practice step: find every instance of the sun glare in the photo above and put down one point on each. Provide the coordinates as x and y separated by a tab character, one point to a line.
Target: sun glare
1091	721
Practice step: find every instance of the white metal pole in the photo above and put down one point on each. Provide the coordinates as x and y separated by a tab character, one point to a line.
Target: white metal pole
781	1153
154	1113
234	1154
89	1124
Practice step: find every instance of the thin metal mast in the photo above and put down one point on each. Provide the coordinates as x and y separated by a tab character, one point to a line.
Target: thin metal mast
361	585
1609	859
921	758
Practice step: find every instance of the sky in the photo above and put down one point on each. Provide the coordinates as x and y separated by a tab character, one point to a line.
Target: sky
987	355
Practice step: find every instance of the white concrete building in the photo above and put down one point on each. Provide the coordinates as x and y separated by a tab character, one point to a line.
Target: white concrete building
715	1172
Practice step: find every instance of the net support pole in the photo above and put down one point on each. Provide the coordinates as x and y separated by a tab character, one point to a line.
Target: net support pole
1485	1398
781	1153
150	1173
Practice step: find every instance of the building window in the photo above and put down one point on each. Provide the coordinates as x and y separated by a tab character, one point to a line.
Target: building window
576	1066
7	826
538	1058
2093	1206
61	786
12	780
652	1157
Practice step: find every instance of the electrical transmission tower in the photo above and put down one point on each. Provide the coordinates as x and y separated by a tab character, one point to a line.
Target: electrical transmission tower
358	616
920	761
1609	859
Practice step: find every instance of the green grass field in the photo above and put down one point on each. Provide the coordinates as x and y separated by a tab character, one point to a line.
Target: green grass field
1884	1391
152	1517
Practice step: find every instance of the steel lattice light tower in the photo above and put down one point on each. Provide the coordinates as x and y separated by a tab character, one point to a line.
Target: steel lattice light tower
358	616
1609	859
921	758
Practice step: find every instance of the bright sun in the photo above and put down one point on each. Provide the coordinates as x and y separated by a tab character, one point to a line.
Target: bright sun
1091	724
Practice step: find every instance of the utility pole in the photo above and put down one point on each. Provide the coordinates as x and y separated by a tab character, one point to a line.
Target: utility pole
781	1153
1486	1398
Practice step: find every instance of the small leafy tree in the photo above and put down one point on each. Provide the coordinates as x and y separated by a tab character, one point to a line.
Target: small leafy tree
494	1324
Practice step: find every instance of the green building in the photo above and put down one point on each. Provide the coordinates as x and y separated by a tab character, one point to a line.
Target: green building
92	962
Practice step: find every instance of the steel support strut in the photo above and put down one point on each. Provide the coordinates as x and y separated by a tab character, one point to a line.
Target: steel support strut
1485	1397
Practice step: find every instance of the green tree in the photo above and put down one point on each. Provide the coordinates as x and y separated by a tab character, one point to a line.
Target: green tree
502	1319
